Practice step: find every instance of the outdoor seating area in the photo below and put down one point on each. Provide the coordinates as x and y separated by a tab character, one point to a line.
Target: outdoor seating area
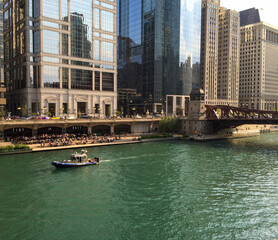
55	140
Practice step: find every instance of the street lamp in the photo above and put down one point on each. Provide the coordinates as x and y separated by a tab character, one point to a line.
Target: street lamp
19	111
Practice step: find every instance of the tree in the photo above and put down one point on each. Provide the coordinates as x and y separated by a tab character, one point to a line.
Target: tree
169	125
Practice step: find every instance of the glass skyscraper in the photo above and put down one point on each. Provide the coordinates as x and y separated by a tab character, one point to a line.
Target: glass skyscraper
159	48
60	56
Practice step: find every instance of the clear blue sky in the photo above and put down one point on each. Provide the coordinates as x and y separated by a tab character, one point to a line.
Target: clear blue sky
268	8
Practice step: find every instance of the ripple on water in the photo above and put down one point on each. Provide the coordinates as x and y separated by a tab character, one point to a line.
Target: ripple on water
169	190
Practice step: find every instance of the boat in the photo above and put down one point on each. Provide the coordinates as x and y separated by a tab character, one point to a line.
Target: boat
77	160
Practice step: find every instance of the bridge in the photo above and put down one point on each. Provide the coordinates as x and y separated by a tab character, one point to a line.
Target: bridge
227	116
22	127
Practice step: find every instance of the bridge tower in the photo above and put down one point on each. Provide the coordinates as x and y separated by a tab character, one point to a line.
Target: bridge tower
196	122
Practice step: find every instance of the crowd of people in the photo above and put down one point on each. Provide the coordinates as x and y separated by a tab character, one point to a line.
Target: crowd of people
55	140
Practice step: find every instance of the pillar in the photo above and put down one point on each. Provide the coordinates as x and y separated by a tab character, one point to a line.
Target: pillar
112	129
35	131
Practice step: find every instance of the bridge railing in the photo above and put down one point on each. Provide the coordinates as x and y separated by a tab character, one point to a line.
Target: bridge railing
217	112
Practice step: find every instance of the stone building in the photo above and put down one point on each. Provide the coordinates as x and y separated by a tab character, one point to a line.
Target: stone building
220	53
60	56
258	64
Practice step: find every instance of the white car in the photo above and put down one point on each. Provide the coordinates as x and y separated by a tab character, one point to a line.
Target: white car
71	117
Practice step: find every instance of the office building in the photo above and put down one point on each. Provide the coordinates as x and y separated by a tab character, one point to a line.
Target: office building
60	56
209	49
228	57
159	49
220	53
2	85
258	64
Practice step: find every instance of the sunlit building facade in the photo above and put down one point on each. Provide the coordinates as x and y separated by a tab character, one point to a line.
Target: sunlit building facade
2	86
159	48
259	66
60	56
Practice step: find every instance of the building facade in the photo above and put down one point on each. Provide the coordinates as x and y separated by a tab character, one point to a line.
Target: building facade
228	56
259	66
2	85
159	49
220	53
209	49
60	56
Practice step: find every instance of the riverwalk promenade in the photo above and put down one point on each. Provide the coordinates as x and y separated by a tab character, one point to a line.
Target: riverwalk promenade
87	126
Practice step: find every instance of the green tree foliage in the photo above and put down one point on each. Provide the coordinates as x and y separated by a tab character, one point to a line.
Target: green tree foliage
169	125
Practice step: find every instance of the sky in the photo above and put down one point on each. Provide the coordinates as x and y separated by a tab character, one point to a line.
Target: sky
268	8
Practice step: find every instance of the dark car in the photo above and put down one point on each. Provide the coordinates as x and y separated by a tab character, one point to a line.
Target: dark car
85	117
15	117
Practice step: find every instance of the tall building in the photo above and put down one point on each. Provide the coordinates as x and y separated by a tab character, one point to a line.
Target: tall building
209	49
159	48
228	56
220	53
2	85
60	56
258	64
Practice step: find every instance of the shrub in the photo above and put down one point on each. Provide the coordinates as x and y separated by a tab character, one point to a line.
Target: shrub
20	146
169	125
13	148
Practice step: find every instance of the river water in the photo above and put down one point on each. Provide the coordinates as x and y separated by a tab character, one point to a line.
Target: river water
167	190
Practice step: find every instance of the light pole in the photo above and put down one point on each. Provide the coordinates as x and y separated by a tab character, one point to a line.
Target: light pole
19	111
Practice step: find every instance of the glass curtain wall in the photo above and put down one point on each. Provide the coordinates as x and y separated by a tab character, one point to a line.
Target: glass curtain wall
159	47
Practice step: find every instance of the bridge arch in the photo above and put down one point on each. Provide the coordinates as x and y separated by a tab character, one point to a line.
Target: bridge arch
50	130
122	129
18	132
101	129
78	130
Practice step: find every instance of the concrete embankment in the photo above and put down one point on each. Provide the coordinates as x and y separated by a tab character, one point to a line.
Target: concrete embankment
243	131
204	138
38	148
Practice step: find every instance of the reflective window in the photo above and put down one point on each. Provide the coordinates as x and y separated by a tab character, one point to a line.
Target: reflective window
50	24
36	41
65	77
107	51
64	9
97	81
106	5
31	76
65	44
81	28
51	59
107	36
31	41
96	50
36	8
107	21
51	76
81	79
50	8
96	18
50	42
108	66
107	81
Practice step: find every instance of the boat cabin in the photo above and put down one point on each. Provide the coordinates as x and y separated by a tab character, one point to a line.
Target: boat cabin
79	157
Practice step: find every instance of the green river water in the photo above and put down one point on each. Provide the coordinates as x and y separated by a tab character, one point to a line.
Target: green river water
164	190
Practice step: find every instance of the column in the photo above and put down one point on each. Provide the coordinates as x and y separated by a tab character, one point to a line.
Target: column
112	129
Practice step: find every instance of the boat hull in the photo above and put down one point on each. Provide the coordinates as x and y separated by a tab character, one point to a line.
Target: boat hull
72	165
